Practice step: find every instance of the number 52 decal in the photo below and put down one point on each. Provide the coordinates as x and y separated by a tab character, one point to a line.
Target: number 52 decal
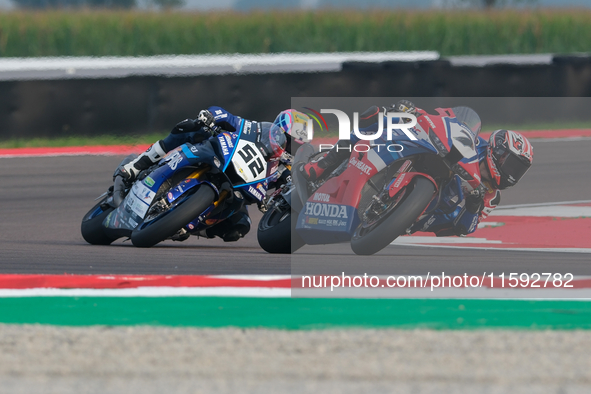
248	157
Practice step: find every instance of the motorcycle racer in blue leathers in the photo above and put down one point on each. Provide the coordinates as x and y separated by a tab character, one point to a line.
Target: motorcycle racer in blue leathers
198	132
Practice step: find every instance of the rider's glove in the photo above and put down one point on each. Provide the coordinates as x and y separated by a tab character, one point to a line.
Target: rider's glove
185	126
475	203
206	118
402	106
283	179
405	106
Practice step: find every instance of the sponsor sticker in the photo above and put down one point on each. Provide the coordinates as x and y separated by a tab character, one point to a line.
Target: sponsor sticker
399	180
229	141
255	192
326	210
174	160
132	222
224	146
149	181
247	127
139	199
360	165
428	119
321	197
310	220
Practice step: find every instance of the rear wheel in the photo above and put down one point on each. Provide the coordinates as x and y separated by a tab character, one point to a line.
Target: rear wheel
92	225
150	233
276	232
407	206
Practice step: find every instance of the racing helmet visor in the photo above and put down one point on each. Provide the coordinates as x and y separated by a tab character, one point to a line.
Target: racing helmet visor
274	139
512	168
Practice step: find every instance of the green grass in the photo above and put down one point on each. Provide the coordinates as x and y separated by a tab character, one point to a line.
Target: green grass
298	313
135	33
81	141
539	126
150	138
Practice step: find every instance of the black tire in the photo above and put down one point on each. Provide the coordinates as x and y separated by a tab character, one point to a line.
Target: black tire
276	232
171	222
92	225
397	221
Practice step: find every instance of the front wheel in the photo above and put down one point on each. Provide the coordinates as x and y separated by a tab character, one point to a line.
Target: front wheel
150	233
368	240
276	232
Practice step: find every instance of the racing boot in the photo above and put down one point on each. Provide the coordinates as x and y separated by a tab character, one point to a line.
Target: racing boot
130	170
233	228
327	163
314	169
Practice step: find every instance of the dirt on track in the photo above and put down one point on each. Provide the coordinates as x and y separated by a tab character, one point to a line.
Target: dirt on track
47	359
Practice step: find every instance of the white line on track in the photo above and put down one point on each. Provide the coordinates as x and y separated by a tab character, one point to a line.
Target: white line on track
555	211
554	250
252	277
543	204
560	139
416	239
262	292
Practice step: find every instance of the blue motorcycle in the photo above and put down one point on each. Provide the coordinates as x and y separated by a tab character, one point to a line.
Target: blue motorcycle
193	188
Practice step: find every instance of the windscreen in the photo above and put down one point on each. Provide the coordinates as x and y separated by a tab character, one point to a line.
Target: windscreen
468	117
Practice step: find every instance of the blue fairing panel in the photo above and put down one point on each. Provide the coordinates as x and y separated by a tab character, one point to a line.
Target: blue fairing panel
257	189
228	142
320	223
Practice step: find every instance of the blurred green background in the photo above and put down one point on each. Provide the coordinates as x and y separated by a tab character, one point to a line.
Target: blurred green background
145	33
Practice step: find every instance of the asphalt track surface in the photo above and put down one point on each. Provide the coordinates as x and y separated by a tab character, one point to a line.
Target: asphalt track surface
44	199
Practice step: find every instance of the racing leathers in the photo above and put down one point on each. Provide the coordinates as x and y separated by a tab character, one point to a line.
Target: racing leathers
198	132
468	213
463	218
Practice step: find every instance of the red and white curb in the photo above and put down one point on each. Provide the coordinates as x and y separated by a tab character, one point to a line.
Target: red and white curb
283	286
99	150
15	285
546	227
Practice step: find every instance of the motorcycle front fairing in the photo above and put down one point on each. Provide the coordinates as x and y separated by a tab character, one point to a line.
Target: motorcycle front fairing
132	211
330	214
242	157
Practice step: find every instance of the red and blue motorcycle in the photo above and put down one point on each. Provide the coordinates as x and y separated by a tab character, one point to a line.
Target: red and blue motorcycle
378	193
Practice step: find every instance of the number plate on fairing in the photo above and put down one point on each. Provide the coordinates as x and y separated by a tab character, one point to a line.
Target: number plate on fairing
249	162
139	199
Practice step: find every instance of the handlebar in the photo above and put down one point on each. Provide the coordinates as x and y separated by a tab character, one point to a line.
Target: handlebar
215	130
479	191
